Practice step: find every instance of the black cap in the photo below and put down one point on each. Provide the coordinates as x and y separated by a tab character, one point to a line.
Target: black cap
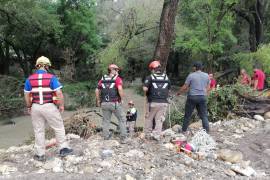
198	65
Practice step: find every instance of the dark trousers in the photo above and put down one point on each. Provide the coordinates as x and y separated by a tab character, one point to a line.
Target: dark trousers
201	105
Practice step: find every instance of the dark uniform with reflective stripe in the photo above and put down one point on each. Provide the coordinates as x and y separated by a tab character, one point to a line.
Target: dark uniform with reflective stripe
158	90
110	103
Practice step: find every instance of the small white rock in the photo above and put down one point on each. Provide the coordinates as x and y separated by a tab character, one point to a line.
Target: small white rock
258	117
248	171
128	177
41	171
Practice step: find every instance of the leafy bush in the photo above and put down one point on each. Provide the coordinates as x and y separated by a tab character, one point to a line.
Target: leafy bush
11	96
175	117
261	57
224	100
80	94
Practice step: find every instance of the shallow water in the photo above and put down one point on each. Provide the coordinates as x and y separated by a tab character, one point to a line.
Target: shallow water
12	135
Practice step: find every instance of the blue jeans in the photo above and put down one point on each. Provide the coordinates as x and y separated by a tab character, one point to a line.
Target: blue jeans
201	105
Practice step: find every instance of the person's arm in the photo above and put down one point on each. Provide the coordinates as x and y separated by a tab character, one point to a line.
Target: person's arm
145	90
255	84
27	95
97	92
183	89
28	102
146	85
121	92
60	98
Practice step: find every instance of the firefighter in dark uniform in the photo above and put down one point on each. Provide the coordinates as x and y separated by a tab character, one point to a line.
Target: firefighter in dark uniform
109	96
156	87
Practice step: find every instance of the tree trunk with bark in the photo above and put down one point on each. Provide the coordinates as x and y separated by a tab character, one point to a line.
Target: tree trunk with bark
166	31
254	15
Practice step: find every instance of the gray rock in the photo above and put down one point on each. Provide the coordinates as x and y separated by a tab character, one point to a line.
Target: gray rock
105	164
267	115
56	165
229	172
168	132
40	171
128	177
258	117
6	169
267	152
248	171
230	156
106	153
88	169
177	128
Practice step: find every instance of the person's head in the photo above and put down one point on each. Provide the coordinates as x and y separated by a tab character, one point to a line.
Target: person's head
197	66
155	67
43	63
243	72
113	69
211	76
131	104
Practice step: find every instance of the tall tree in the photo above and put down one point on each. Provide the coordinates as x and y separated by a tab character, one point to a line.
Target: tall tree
25	27
166	31
204	28
253	12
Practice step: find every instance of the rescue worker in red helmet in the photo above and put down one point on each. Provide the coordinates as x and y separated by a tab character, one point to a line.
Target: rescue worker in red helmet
156	87
39	92
109	96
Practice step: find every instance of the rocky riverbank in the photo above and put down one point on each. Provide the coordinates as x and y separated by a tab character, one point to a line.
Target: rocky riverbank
242	152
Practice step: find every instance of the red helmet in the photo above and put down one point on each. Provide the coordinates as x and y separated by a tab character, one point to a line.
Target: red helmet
154	65
113	66
131	102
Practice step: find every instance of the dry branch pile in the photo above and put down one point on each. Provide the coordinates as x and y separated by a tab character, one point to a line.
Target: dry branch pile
83	123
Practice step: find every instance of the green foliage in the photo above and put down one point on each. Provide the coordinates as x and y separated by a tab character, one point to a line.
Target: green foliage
79	25
78	95
176	117
130	37
260	57
204	27
224	100
11	98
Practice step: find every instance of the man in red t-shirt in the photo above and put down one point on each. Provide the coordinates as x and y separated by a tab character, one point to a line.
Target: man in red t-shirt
213	82
109	96
258	78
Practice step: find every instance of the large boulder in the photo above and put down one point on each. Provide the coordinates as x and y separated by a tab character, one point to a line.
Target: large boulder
230	156
267	115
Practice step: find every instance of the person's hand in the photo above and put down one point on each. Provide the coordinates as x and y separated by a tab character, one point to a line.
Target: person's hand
61	109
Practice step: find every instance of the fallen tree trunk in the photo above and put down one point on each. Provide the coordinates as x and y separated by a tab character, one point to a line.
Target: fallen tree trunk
252	105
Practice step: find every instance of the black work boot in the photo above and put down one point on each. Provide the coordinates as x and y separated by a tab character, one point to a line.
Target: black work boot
65	151
41	158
